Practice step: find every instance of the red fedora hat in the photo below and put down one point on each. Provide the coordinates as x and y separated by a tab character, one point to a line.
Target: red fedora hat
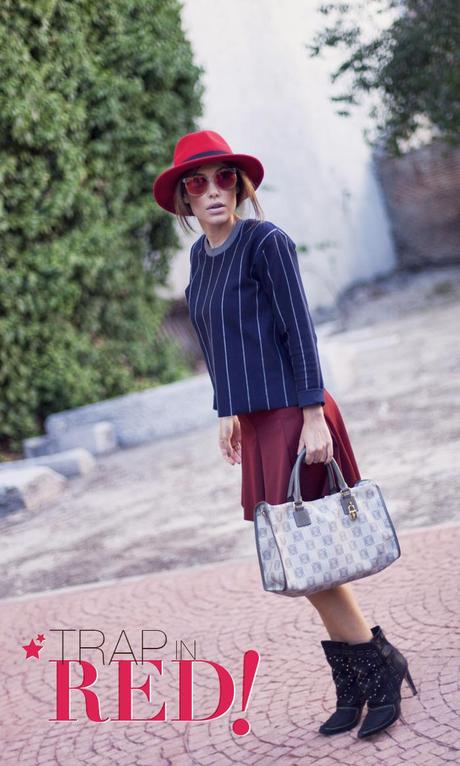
196	149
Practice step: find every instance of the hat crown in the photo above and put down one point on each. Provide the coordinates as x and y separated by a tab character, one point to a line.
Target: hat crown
202	143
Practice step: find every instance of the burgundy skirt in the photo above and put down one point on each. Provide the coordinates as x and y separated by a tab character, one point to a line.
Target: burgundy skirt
269	440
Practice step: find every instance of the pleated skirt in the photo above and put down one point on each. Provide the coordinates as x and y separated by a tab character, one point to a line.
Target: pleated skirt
269	440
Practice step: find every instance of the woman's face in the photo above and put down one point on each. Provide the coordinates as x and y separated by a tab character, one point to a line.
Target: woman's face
213	195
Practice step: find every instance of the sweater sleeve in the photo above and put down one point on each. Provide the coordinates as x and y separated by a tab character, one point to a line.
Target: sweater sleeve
276	267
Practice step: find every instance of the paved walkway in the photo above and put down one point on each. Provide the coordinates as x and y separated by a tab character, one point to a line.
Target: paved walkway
223	607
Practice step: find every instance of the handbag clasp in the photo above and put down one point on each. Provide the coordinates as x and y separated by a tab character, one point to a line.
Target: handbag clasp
349	504
352	511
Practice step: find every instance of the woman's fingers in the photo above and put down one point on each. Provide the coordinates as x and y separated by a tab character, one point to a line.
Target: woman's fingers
317	440
230	448
330	452
235	450
237	454
313	454
321	454
232	456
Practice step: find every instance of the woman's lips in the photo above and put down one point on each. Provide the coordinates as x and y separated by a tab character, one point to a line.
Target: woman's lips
214	209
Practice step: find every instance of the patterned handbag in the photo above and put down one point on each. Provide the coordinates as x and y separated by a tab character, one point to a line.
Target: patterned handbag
307	546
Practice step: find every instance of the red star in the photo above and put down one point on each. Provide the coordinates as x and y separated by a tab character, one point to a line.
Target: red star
32	649
40	637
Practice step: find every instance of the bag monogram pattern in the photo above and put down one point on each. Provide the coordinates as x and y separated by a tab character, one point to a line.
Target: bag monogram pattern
333	549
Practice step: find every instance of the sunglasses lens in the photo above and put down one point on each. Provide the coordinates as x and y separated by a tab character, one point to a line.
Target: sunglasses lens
226	178
196	185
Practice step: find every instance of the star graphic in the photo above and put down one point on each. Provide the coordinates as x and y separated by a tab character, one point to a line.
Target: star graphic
32	649
40	637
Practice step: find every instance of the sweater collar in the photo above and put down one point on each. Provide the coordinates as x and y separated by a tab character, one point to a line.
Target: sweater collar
226	243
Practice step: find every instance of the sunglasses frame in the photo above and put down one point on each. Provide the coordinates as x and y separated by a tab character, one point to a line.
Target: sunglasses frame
185	179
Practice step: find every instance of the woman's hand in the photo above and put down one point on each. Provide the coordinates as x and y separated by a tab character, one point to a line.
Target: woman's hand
230	439
315	436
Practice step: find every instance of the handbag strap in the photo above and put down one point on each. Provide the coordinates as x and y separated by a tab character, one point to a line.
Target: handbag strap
333	485
335	477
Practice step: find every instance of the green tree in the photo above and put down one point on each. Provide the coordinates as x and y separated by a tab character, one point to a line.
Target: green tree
413	65
93	96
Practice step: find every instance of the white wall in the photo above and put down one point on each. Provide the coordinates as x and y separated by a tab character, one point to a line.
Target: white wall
268	98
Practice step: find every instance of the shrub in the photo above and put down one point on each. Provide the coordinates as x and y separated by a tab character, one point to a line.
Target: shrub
93	97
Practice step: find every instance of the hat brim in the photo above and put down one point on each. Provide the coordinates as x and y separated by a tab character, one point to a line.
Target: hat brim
165	184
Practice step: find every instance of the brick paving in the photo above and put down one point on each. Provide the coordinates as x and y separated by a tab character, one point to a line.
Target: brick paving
223	607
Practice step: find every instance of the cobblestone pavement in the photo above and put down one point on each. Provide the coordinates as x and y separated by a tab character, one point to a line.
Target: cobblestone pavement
393	352
223	608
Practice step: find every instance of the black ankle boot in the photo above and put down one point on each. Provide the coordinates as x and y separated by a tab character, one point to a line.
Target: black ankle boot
350	699
380	669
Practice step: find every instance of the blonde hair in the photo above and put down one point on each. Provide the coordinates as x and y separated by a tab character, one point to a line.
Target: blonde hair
245	192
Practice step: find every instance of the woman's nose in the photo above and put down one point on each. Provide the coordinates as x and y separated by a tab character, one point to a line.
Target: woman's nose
213	187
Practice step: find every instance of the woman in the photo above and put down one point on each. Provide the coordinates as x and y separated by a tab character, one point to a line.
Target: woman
250	312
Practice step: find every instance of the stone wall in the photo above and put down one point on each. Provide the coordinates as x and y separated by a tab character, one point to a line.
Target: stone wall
422	191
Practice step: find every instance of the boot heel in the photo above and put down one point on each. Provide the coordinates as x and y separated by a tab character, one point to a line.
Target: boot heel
409	680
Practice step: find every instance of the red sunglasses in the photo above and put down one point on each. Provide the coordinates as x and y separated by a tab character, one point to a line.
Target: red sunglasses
196	185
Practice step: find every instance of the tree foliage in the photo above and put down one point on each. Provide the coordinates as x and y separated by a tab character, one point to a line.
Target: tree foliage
412	63
93	96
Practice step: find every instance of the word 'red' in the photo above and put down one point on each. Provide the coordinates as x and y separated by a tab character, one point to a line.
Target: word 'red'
225	691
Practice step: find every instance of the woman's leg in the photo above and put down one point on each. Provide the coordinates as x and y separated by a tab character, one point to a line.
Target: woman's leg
341	614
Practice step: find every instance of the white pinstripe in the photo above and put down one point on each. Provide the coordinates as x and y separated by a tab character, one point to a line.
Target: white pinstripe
261	346
293	310
222	313
241	331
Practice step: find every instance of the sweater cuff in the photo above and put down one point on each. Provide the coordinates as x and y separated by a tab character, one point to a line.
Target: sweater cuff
312	396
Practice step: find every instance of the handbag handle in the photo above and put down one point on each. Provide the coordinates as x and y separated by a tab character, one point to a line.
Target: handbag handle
335	482
333	486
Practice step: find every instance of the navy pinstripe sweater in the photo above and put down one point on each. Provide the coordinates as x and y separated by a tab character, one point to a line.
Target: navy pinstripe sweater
248	306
